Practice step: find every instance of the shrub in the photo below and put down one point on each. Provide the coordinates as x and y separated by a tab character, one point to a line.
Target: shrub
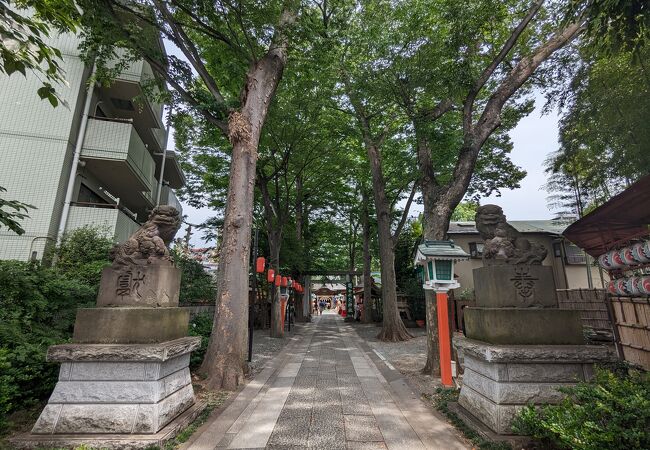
83	253
37	309
38	306
196	284
200	325
613	412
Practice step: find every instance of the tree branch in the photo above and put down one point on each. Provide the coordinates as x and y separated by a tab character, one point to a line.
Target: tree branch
188	48
468	106
405	214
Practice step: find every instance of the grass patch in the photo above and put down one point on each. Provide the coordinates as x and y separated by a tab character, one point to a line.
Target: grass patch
441	400
214	399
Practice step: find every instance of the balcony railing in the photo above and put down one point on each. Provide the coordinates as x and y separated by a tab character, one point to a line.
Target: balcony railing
167	197
118	141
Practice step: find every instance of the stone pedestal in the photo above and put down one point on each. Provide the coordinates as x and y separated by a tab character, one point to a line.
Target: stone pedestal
152	286
122	389
499	380
535	326
130	325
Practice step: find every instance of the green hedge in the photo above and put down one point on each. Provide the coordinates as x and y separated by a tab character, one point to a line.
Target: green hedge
37	309
611	413
38	306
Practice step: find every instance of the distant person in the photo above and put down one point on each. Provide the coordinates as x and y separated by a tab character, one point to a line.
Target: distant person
357	312
321	307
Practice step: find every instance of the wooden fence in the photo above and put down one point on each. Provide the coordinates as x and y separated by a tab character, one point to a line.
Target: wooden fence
592	306
632	318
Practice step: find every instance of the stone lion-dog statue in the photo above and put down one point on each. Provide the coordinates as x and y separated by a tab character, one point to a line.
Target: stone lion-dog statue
149	244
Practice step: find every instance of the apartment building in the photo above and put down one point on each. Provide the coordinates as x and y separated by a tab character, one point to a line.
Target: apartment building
116	181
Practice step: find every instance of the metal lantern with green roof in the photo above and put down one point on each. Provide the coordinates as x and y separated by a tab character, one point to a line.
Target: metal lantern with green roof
437	259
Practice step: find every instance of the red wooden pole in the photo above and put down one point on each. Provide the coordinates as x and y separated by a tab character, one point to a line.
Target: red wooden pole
444	341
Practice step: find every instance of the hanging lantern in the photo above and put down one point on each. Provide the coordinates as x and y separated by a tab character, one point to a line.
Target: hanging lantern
259	264
284	282
270	275
278	280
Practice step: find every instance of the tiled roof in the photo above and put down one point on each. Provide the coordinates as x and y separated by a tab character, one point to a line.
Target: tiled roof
555	227
441	248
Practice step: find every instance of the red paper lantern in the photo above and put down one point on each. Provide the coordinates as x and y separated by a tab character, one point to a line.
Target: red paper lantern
270	276
284	281
259	265
278	280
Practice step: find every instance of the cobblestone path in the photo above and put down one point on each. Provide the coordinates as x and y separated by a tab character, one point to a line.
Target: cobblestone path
327	390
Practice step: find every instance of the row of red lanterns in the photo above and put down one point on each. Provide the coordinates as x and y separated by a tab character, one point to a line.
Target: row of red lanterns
278	279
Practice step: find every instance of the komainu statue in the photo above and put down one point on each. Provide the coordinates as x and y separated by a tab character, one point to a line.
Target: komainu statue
503	244
148	245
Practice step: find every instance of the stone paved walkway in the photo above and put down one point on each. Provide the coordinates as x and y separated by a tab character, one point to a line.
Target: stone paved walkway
326	390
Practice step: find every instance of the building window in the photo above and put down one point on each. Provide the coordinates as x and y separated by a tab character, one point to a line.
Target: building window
476	249
574	255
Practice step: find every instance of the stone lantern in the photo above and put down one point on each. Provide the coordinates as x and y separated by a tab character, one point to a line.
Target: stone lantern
437	259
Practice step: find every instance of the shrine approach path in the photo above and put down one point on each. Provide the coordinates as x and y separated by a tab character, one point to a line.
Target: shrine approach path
327	390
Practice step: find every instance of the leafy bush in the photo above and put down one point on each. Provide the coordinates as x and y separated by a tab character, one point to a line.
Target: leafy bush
611	413
200	325
83	253
38	307
196	284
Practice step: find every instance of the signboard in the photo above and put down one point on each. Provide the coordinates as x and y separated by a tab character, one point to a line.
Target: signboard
349	299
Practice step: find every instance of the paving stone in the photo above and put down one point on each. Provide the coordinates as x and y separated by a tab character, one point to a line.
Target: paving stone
290	431
314	398
362	429
366	446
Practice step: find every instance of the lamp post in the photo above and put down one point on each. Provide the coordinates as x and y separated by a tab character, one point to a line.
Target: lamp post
437	259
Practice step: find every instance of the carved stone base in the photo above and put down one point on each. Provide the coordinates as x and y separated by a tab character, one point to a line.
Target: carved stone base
118	389
500	380
524	326
111	441
130	325
140	285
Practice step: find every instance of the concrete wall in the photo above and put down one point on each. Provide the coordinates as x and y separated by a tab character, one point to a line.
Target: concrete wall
36	145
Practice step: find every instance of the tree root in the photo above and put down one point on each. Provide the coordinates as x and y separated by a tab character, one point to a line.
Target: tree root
394	333
226	373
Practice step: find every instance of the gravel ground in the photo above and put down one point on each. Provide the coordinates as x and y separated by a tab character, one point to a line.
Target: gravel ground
265	348
408	357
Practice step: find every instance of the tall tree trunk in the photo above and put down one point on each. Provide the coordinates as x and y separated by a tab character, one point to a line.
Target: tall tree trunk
299	299
367	261
224	363
393	328
276	312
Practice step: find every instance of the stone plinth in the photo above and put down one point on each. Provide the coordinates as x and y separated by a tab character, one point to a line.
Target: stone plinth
524	325
510	286
118	389
499	380
138	285
130	325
